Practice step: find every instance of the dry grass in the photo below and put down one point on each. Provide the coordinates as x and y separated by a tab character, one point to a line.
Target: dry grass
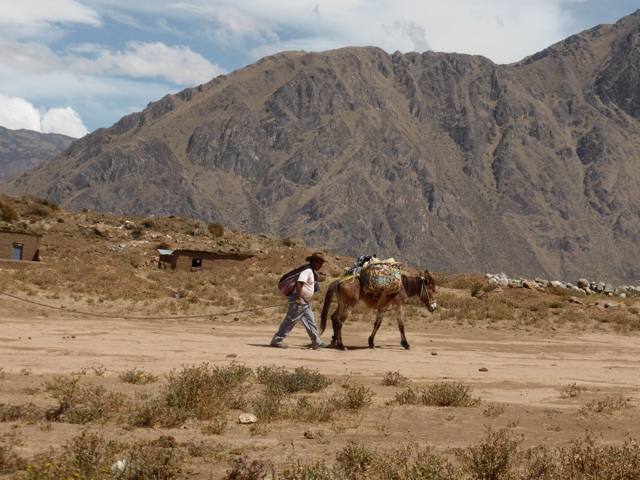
205	395
96	263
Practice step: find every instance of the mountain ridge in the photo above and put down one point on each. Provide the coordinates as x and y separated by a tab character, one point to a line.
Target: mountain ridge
446	160
22	149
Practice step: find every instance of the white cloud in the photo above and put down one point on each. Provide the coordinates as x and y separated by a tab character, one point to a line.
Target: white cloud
43	18
27	56
65	121
17	113
108	58
178	64
245	24
28	12
503	30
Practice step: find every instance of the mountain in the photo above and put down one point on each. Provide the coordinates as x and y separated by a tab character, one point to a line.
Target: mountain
21	150
443	160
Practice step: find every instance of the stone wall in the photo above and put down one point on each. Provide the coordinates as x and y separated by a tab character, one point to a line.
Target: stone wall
582	286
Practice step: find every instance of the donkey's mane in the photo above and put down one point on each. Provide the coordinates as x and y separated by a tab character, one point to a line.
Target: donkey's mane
413	285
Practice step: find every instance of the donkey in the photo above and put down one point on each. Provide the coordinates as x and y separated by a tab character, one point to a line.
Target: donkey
351	295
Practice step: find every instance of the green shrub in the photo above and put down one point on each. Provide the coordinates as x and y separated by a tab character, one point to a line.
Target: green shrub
607	406
355	397
10	461
242	469
289	242
585	460
215	426
201	392
216	230
138	377
88	455
82	403
8	213
306	410
301	380
151	460
137	233
91	456
355	460
394	379
12	413
494	458
316	470
430	465
572	390
439	395
268	407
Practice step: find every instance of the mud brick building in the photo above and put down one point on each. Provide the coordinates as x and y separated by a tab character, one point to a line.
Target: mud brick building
19	246
198	260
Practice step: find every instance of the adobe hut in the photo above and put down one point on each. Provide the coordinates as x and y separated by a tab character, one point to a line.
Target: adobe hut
198	260
20	246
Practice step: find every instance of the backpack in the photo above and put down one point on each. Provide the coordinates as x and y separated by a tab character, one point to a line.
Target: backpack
381	278
287	282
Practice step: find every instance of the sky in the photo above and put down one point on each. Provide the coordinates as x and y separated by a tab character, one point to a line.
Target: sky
73	66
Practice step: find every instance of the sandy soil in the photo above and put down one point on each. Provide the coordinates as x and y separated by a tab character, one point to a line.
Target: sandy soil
519	376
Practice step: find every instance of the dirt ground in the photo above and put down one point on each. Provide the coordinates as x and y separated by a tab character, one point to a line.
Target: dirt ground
519	375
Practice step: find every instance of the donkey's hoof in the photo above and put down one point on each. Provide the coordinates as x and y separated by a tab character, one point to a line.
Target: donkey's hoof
406	346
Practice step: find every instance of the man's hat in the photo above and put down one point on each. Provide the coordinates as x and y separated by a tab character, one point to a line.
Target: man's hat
315	256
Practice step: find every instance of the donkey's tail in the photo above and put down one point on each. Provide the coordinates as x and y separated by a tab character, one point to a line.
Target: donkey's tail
328	298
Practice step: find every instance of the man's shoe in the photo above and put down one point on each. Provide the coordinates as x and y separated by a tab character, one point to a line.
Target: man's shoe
278	345
320	345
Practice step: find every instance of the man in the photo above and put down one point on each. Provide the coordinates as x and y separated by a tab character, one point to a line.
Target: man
299	308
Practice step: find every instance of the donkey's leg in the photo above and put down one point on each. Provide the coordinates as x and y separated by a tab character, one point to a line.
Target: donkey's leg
339	324
337	320
403	338
334	324
376	326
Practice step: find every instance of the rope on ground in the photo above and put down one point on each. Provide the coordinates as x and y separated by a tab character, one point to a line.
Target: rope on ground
125	317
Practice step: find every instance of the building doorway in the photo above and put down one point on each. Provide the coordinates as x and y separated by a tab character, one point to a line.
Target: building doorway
16	253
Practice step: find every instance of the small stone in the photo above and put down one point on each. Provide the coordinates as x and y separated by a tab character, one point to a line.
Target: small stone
247	418
434	353
312	433
483	369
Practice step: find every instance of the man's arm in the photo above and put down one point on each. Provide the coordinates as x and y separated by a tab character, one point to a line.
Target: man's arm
299	293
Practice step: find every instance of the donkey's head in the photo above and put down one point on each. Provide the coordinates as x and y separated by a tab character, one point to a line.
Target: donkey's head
428	291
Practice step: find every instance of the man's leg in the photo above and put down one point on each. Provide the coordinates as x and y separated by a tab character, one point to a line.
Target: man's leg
309	322
294	312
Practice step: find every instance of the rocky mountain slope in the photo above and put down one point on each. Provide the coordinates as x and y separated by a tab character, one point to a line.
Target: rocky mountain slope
21	150
443	160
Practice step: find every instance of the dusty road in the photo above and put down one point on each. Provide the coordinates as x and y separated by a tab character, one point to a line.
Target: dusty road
519	376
